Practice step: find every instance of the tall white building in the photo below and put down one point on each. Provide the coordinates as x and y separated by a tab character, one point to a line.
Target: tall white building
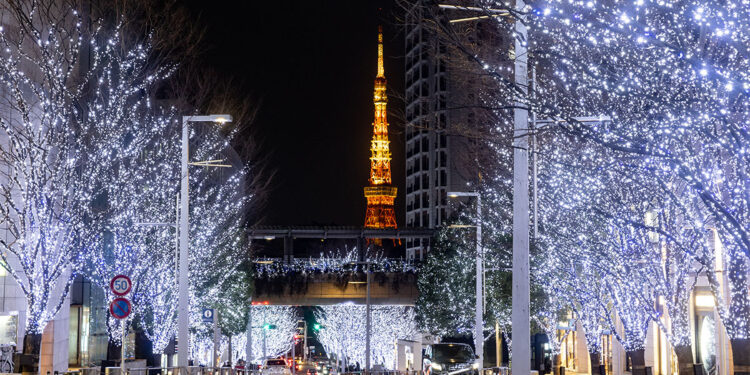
441	109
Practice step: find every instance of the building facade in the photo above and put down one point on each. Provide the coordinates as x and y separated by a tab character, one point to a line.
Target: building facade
710	345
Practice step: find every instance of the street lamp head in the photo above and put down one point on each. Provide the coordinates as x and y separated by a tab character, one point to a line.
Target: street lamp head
461	226
456	194
221	119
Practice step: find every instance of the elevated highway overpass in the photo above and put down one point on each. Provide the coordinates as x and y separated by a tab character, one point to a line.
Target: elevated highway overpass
317	281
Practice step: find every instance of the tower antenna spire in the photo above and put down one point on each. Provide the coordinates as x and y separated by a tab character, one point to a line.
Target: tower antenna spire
381	69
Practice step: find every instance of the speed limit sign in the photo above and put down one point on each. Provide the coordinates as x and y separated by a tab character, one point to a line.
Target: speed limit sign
120	285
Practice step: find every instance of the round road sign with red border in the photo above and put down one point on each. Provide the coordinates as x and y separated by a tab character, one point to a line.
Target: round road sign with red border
120	308
120	285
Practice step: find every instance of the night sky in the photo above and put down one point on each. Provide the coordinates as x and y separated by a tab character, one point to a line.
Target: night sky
312	64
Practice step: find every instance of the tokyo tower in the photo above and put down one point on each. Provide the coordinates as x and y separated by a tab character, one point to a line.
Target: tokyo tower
380	194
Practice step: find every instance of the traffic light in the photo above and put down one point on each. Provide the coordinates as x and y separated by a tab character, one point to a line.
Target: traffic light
269	326
316	326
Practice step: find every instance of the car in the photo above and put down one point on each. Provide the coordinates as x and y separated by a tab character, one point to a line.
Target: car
454	358
275	367
309	368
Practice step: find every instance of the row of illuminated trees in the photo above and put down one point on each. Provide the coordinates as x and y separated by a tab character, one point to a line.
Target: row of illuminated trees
636	209
90	148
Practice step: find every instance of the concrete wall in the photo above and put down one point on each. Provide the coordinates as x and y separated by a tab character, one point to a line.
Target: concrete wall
54	356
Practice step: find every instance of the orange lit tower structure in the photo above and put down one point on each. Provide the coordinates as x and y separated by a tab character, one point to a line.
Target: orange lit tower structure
380	194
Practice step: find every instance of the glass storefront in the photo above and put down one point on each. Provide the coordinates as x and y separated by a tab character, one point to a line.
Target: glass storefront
74	336
606	353
8	329
568	342
707	343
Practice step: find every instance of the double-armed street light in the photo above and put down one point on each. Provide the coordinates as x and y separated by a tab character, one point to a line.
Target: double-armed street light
183	310
479	305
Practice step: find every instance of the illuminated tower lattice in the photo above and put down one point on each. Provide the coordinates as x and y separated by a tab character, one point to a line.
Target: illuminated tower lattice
380	194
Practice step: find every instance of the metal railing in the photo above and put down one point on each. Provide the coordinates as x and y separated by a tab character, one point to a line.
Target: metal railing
496	371
484	371
200	370
191	370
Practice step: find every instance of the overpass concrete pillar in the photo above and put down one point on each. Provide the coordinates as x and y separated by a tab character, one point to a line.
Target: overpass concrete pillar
361	248
288	249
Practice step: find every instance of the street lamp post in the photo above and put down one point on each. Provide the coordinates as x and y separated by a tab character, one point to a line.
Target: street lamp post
368	322
264	334
479	305
520	314
520	319
183	312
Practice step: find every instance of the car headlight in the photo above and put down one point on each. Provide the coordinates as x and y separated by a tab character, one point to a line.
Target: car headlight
436	366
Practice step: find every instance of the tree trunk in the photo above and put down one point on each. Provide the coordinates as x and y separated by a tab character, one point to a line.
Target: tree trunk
156	360
32	344
556	364
638	362
114	351
685	359
595	362
741	356
32	348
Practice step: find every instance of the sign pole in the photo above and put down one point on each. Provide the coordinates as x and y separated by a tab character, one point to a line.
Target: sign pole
120	309
122	347
216	339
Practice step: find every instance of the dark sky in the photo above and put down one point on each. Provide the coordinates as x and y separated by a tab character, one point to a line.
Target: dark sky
313	64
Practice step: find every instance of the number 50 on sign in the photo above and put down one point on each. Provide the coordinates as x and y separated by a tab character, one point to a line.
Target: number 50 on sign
120	285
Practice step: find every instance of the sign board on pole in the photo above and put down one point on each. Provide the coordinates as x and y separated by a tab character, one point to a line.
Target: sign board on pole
120	308
120	285
208	315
